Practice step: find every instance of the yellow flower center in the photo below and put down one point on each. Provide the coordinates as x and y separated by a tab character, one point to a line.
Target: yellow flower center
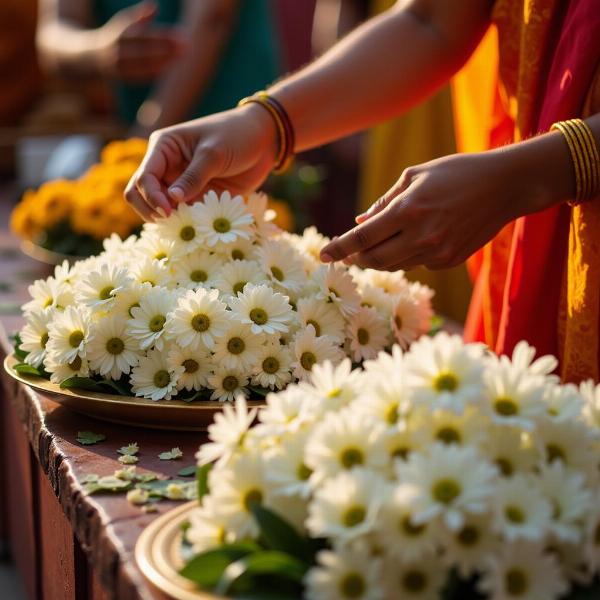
156	323
252	497
106	293
277	273
259	316
239	287
162	378
505	466
160	256
315	325
270	365
236	345
221	225
409	528
135	305
352	585
445	382
414	581
516	582
230	383
190	365
44	339
308	360
351	457
304	472
362	335
555	452
469	535
115	346
514	514
449	435
237	254
200	322
187	233
392	414
198	276
354	516
446	490
48	302
76	338
506	407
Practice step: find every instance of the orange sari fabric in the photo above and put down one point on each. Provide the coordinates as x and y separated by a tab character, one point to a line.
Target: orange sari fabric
539	279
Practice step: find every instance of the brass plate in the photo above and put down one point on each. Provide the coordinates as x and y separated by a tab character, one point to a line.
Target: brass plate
46	256
127	410
158	556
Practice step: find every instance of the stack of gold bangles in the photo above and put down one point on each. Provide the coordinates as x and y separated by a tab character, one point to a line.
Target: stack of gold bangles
285	130
584	153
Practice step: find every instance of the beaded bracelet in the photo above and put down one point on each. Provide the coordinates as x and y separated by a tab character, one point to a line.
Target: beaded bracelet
585	157
283	124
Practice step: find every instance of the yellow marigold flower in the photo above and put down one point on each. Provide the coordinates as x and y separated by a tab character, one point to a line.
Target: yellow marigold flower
54	200
22	220
283	215
119	151
89	215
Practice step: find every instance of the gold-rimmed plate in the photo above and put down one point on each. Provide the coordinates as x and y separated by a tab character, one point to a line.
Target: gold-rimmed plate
127	410
158	555
48	257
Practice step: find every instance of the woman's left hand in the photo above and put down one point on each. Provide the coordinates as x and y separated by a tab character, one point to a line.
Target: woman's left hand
439	213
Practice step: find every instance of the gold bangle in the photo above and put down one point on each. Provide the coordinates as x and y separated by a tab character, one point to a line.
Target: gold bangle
584	154
574	157
593	155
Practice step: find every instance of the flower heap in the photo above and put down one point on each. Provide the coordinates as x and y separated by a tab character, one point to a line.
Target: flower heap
214	298
446	459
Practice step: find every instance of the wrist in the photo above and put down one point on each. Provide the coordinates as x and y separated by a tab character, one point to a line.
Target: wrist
265	127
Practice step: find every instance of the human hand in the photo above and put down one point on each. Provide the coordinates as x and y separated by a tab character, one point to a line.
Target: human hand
439	213
132	49
233	150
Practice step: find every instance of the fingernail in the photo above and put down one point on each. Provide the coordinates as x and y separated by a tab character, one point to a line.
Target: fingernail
161	211
326	257
360	218
176	193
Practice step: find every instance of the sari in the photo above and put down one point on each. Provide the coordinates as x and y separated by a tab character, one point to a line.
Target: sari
539	278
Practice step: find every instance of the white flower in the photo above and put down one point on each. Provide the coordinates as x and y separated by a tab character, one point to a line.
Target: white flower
197	269
282	265
347	505
199	319
262	215
182	227
208	526
273	368
263	309
34	335
520	509
197	366
154	246
286	411
563	402
129	297
411	314
149	319
150	271
228	433
368	334
590	393
523	360
48	293
110	350
444	372
386	365
345	440
310	350
522	571
391	282
376	298
348	573
448	481
286	467
222	220
311	242
238	348
61	370
446	427
510	449
153	377
388	402
68	334
323	316
415	580
234	276
227	384
64	273
337	286
115	247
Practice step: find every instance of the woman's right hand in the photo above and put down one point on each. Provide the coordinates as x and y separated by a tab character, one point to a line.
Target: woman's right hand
232	150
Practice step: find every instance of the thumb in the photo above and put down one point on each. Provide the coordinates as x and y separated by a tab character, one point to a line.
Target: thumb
137	15
203	167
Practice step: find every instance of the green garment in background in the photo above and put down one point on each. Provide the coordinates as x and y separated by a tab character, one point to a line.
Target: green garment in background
248	63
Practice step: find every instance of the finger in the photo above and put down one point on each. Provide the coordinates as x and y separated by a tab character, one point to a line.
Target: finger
387	255
137	202
137	15
204	166
153	192
147	179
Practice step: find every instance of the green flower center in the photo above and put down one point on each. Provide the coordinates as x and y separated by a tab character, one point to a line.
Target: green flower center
190	365
506	407
448	435
200	322
352	585
252	497
75	365
351	457
505	466
44	339
315	325
239	287
160	256
198	276
354	516
230	383
106	293
187	233
515	582
48	302
236	345
445	382
446	490
134	305
514	514
75	338
410	529
221	225
363	336
392	414
156	323
277	273
414	581
259	316
237	254
115	346
468	535
555	452
162	378
308	360
304	472
270	365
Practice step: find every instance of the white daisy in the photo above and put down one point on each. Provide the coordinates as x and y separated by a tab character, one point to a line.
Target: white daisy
520	509
182	227
337	286
208	526
590	392
311	242
391	282
148	270
149	319
510	449
368	334
110	349
61	370
199	319
152	245
129	296
64	273
264	310
273	368
234	276
34	335
324	317
282	265
386	365
376	298
97	288
197	366
446	427
310	350
523	571
227	384
153	377
262	215
222	220
346	506
286	467
563	402
68	334
388	403
444	372
198	269
348	573
116	247
415	580
523	360
241	249
411	316
402	441
287	411
48	293
238	348
448	481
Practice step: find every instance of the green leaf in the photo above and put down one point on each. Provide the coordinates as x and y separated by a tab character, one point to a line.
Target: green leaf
18	351
87	438
81	383
115	386
279	535
188	471
207	568
202	480
172	454
266	562
436	324
25	369
109	484
260	391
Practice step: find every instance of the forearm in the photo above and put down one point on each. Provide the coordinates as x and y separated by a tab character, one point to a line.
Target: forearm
380	70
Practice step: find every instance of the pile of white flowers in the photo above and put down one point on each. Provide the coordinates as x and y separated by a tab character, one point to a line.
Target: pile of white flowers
444	459
215	297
